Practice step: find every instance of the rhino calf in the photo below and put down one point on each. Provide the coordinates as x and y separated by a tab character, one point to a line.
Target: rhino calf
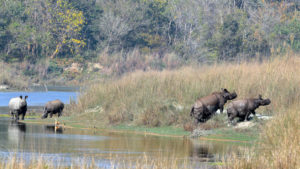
53	107
18	106
244	107
207	106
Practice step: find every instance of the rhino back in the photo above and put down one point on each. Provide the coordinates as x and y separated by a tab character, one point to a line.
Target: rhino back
15	103
54	105
239	105
209	100
252	105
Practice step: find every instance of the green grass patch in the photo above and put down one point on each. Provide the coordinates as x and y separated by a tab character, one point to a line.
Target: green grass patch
248	135
26	117
163	130
219	134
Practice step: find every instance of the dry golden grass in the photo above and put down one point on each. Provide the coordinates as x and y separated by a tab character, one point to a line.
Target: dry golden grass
11	76
164	98
279	147
114	163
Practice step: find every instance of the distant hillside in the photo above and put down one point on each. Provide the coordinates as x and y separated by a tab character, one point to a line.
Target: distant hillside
122	36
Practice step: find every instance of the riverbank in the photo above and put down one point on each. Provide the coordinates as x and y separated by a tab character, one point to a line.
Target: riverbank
161	100
229	134
278	146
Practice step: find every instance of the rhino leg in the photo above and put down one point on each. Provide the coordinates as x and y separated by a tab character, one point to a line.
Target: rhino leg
59	113
16	116
248	114
51	114
231	113
198	113
202	118
242	116
11	114
23	112
221	109
23	115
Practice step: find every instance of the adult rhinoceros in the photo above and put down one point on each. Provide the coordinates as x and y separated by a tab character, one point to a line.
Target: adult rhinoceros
207	106
53	107
244	107
18	106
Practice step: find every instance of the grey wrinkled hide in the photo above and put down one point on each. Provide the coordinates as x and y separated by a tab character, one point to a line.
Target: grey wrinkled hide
243	108
18	106
53	107
207	106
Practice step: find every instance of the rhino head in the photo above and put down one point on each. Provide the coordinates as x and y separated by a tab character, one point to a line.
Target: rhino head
227	95
262	102
23	102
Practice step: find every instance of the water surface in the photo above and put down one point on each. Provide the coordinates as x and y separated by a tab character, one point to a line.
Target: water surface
29	141
39	96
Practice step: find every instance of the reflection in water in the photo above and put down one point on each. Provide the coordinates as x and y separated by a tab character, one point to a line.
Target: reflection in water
53	129
16	133
204	151
18	125
212	151
75	143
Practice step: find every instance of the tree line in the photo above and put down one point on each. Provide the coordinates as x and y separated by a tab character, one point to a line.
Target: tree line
170	32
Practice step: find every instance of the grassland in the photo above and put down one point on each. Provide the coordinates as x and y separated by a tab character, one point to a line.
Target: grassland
160	101
279	146
164	98
10	76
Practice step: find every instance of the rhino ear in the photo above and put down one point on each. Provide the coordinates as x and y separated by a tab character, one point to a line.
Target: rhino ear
224	90
259	96
21	97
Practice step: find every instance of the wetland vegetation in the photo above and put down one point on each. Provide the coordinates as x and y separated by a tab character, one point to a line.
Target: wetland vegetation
184	86
141	64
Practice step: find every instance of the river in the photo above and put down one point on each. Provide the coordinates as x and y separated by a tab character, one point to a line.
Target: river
29	141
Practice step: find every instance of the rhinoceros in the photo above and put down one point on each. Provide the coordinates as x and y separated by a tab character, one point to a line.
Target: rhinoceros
53	107
244	107
207	106
18	106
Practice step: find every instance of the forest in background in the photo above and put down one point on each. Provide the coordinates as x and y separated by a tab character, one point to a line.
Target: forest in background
126	35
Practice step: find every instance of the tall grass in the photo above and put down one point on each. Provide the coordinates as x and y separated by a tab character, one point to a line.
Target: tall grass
157	98
113	162
279	147
12	76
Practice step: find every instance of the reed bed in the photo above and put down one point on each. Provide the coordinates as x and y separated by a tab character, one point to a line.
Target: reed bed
279	147
12	77
156	98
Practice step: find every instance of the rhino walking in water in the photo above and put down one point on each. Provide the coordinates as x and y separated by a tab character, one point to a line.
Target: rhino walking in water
244	107
18	106
207	106
53	107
